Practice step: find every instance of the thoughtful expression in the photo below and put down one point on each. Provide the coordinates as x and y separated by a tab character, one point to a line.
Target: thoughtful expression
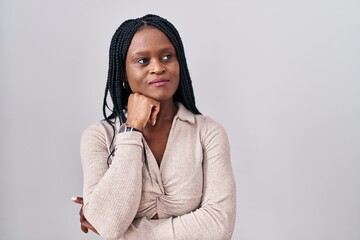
152	67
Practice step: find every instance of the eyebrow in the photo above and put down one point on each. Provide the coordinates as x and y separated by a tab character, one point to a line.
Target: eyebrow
166	49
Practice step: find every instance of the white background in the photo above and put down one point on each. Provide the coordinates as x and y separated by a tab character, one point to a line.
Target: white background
283	77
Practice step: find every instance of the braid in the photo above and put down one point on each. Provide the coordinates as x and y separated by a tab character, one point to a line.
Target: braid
119	46
117	55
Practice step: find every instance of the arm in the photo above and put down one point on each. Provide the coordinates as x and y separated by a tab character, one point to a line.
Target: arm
215	218
111	194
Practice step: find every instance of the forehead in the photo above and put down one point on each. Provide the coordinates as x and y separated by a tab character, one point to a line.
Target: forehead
149	39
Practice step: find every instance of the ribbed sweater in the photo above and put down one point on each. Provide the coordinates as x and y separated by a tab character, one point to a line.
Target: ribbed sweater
193	191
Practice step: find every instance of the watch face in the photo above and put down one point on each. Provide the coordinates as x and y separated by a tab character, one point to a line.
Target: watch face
122	128
125	128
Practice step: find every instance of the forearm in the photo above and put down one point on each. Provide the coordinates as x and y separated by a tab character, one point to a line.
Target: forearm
212	221
111	197
215	218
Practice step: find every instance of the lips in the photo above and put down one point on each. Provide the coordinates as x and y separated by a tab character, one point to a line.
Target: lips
159	82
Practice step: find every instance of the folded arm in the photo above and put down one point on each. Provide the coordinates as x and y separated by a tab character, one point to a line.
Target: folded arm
215	218
111	194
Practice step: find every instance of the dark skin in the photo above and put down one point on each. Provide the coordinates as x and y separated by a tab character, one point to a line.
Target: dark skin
156	136
152	71
84	224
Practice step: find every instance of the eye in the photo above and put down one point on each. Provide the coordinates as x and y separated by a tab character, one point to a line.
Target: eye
166	57
143	60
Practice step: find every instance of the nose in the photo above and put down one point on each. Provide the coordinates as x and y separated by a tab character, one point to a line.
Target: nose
157	67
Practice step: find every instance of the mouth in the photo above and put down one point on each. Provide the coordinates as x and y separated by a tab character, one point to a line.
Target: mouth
159	82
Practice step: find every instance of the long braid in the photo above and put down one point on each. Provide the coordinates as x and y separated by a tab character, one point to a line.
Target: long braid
117	55
119	46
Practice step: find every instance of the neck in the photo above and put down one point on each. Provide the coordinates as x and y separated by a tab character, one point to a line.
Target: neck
167	112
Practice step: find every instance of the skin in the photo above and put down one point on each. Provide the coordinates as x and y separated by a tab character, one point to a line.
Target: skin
151	57
84	224
153	71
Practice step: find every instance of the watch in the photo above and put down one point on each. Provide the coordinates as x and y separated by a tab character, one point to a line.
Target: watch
126	128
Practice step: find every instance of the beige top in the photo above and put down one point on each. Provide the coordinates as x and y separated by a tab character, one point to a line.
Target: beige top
193	191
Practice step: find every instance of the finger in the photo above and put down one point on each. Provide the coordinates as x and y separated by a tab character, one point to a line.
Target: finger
87	225
81	213
154	112
82	218
79	200
82	221
84	229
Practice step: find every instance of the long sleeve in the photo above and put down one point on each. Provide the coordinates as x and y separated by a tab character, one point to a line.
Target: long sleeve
111	194
215	218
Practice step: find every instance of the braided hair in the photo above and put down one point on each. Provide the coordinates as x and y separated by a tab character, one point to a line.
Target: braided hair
117	80
117	75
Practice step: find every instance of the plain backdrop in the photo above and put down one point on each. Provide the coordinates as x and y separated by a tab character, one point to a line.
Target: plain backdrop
283	78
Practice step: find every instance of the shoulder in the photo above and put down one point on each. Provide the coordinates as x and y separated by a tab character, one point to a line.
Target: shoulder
208	123
100	132
204	124
200	121
210	130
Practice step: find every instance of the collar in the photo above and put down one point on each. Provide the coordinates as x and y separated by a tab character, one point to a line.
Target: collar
184	114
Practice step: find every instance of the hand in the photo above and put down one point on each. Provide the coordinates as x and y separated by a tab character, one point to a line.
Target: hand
141	110
85	225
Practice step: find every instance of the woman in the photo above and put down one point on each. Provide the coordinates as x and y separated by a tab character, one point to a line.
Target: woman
155	168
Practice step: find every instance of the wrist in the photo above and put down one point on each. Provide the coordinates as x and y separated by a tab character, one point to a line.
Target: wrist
135	126
128	128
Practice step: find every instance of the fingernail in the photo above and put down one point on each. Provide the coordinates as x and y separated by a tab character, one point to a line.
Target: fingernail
73	198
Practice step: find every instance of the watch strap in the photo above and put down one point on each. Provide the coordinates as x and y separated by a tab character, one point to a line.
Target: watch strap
125	128
132	129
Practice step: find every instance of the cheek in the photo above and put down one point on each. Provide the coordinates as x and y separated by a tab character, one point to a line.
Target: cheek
134	76
178	75
176	70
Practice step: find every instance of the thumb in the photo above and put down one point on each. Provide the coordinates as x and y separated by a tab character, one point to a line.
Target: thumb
78	200
154	112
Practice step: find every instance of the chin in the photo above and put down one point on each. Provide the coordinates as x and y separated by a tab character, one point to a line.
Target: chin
164	99
161	97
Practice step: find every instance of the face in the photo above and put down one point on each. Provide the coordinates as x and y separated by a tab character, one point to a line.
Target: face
152	67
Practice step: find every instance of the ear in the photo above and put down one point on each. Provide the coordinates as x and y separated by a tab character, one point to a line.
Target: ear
125	82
